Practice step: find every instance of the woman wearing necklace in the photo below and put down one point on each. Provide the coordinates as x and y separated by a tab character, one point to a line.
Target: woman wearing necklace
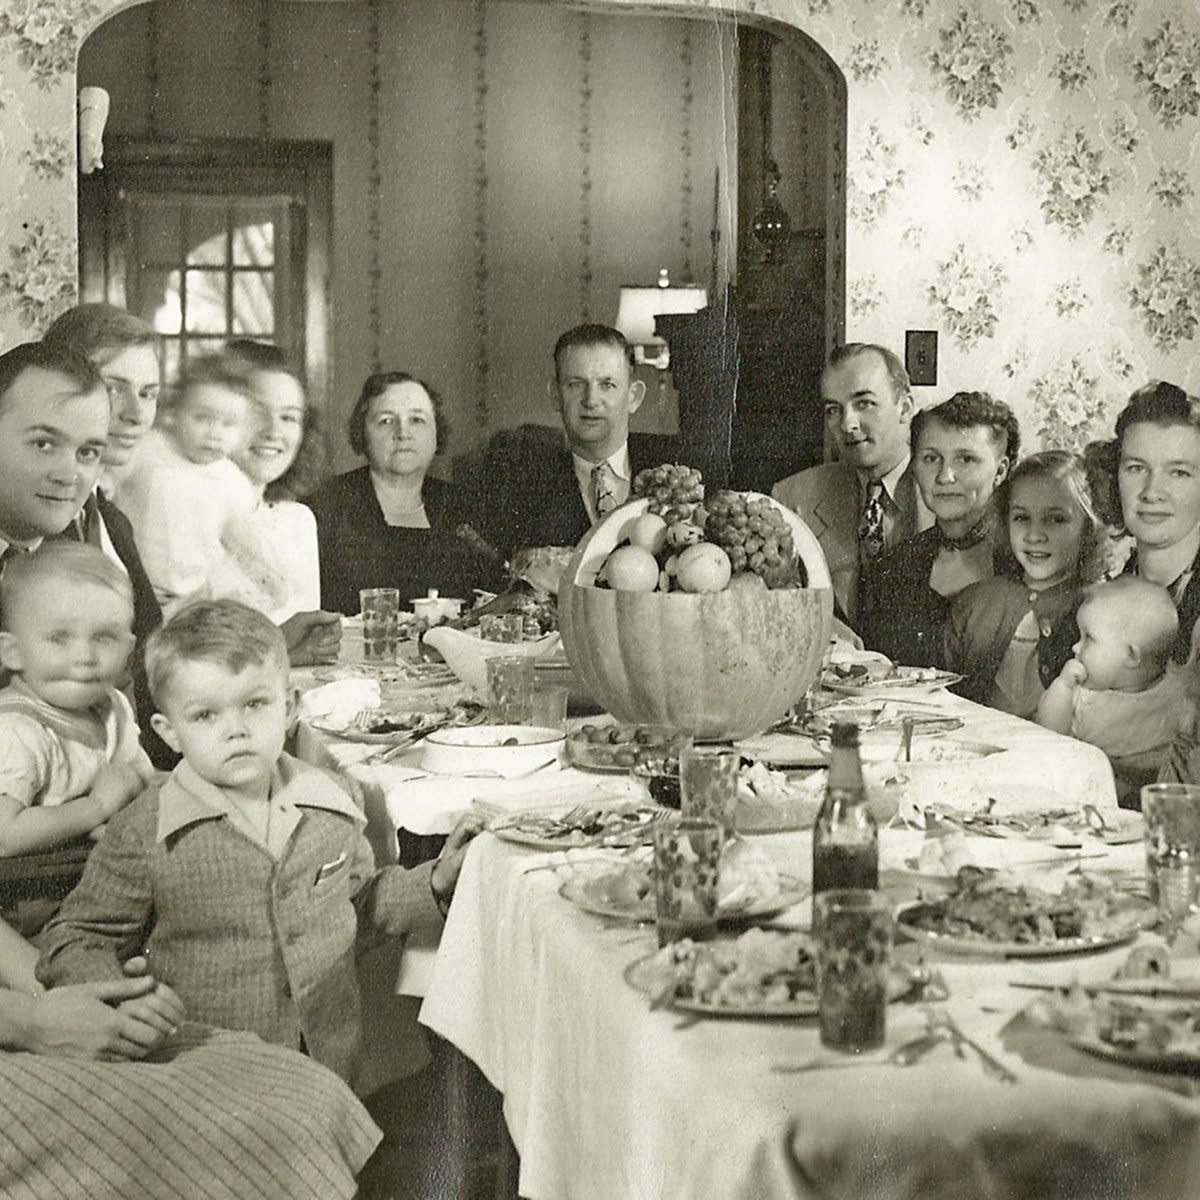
962	451
390	524
1154	462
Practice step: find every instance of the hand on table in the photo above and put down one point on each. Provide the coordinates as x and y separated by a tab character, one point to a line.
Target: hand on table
312	637
449	864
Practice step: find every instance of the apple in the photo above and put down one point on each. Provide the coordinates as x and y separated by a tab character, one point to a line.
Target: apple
650	532
704	567
631	569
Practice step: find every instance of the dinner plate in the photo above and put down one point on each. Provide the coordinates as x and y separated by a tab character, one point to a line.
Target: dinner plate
420	724
912	680
1179	1061
1140	916
642	978
575	889
542	831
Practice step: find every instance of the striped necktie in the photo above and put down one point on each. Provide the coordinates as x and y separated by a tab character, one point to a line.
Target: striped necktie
870	525
604	498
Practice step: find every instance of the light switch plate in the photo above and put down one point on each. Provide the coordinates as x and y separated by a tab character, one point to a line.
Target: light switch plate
920	356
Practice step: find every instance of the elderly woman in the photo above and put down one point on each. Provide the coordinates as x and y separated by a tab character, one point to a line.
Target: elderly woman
962	451
390	524
209	1114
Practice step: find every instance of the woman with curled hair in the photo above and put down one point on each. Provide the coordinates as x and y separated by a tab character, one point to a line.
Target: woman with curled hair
389	523
1147	483
962	452
271	559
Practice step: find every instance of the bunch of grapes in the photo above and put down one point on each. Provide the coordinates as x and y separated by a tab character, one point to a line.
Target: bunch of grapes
674	491
755	536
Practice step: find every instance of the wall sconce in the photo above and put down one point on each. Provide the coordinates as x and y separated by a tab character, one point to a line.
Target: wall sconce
93	113
637	308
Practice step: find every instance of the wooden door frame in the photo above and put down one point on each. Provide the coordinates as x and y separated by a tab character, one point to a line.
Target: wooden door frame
306	168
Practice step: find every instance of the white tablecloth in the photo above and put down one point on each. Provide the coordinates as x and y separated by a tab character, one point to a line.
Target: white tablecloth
605	1098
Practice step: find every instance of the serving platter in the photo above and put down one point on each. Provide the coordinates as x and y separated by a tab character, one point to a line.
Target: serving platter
1051	825
644	976
1179	1061
1137	916
383	727
912	680
580	889
619	825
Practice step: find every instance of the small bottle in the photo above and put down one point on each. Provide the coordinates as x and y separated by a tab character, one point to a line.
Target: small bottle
845	837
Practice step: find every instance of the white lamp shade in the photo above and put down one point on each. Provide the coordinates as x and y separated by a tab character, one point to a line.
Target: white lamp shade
639	306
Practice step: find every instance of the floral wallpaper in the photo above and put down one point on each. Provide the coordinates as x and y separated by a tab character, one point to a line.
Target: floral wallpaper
1022	178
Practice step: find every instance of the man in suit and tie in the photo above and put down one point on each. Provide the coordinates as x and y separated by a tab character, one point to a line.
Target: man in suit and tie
534	490
867	500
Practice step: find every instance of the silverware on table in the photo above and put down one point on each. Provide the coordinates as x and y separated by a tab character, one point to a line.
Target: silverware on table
907	1054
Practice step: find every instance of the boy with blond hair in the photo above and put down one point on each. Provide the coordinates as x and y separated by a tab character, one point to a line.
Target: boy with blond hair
245	874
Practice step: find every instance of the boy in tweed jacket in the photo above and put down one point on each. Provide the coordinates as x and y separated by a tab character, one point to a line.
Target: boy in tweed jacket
244	874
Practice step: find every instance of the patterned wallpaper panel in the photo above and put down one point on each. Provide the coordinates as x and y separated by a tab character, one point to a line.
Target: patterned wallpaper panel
1023	178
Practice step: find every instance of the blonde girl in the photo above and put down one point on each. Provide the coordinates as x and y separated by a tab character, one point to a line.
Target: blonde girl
1011	635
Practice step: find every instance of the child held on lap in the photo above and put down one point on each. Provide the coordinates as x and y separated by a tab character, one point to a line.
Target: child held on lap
1120	691
244	874
1011	635
69	752
184	495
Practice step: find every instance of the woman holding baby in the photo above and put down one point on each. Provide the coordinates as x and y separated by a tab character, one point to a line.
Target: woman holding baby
1148	477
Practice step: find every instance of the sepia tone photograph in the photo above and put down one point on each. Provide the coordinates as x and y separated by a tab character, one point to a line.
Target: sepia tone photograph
600	599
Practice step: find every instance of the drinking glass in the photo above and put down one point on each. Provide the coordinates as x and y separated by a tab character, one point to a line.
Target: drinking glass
853	929
501	627
510	682
1171	812
549	707
687	860
708	784
381	623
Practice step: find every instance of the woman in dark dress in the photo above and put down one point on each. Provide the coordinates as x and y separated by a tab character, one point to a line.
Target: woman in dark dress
962	451
389	524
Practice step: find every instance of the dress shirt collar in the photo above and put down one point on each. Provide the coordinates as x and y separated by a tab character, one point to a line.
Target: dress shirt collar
619	464
5	543
890	481
185	798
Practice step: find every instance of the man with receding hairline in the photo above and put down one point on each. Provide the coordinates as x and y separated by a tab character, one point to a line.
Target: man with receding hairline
53	429
867	501
532	489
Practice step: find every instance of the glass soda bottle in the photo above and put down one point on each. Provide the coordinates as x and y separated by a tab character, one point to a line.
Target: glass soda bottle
845	837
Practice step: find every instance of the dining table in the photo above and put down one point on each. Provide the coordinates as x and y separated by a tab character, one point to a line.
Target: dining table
606	1095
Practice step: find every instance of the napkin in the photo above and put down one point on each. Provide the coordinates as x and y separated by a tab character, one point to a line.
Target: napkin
339	703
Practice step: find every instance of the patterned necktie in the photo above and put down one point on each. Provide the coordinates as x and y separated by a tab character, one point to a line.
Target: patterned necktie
870	524
604	498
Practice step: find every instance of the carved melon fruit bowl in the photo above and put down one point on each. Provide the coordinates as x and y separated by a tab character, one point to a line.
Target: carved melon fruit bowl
718	664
